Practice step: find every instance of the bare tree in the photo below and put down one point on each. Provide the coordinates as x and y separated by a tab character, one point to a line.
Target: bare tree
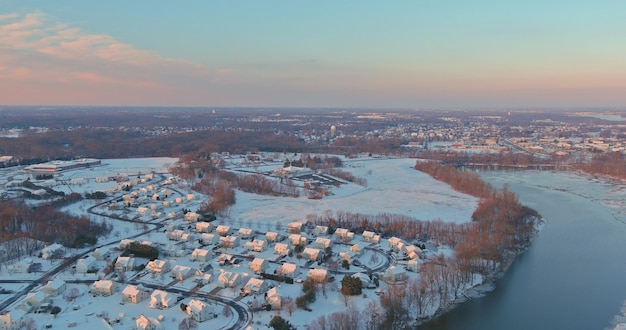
187	324
226	312
290	305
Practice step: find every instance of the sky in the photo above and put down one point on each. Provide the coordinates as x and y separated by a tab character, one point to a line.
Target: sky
414	54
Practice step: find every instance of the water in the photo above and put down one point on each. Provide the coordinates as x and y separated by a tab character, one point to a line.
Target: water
574	274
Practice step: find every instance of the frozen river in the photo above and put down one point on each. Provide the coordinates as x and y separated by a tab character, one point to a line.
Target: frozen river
574	274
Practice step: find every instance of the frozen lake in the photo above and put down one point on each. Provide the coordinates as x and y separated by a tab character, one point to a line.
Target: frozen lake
572	277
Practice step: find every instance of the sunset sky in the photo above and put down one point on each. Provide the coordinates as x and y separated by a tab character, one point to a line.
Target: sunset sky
375	54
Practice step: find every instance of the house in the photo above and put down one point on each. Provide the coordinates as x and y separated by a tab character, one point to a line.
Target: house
181	272
272	298
125	243
191	216
54	288
142	210
258	265
134	294
204	227
311	253
199	311
222	230
229	242
344	235
320	231
322	243
53	251
176	235
281	249
147	323
287	270
103	287
245	233
158	266
412	251
370	237
255	286
297	239
395	243
124	264
85	265
36	299
208	238
201	255
317	274
161	299
227	279
271	236
225	259
413	265
348	256
23	266
365	280
12	320
294	227
394	274
101	253
256	245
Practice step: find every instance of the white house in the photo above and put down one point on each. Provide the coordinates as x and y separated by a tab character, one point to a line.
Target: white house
311	253
370	237
281	249
317	274
181	272
86	265
395	243
344	235
103	287
134	294
36	299
222	230
12	320
54	288
288	270
294	227
258	265
124	264
199	311
225	258
101	253
273	299
255	286
208	238
191	216
320	231
229	242
147	323
322	242
271	236
227	279
394	274
201	255
245	232
53	251
158	266
256	245
125	242
161	299
297	239
176	235
413	265
203	227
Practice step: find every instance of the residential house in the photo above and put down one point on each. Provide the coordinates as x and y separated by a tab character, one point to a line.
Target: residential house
255	286
176	235
322	243
208	238
413	265
245	233
53	251
317	274
227	279
311	253
229	242
294	227
102	253
191	216
222	230
281	249
272	298
365	280
158	266
134	294
204	227
54	288
395	243
258	265
85	265
344	235
181	272
199	311
160	299
288	270
256	245
12	320
412	251
103	287
271	236
297	239
348	256
124	264
23	266
124	243
320	231
394	274
201	255
147	323
370	237
36	299
225	259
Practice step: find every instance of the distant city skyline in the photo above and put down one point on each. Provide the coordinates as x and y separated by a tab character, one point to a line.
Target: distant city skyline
400	54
